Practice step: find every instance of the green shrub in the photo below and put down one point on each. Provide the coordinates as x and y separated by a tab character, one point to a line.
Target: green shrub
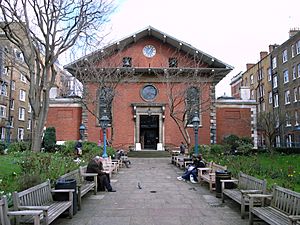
49	140
244	148
67	148
2	147
231	140
217	149
19	146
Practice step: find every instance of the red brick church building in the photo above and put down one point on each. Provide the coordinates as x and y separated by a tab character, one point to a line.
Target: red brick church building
150	85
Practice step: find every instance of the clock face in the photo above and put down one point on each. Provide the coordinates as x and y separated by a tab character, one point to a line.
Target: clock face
149	51
149	92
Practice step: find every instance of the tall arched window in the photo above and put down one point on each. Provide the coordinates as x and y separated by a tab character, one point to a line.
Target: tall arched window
105	102
192	103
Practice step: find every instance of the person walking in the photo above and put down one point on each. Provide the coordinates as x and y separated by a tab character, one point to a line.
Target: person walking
182	148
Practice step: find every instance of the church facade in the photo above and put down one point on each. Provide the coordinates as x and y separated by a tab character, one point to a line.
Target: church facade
150	86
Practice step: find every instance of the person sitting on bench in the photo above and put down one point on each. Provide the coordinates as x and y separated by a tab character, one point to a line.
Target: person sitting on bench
96	166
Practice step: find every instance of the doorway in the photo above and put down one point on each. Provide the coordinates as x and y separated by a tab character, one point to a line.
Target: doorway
149	131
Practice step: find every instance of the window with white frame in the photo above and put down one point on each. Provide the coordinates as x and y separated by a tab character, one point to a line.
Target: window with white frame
23	78
4	71
252	94
269	74
296	118
295	94
276	100
284	56
260	74
13	85
277	121
289	141
29	125
22	114
294	74
298	47
2	111
12	104
12	121
298	66
4	89
20	134
251	79
274	62
29	107
277	141
18	55
275	81
285	76
261	90
288	119
287	97
22	95
270	97
293	50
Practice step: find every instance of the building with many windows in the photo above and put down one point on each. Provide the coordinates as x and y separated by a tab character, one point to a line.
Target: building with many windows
275	85
15	110
285	67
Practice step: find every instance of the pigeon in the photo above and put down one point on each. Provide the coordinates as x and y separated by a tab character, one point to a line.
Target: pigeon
139	185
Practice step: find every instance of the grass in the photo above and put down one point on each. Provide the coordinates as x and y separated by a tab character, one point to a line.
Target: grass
8	173
8	166
283	170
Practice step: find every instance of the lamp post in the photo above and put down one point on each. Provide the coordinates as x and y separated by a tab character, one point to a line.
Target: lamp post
196	122
103	124
82	128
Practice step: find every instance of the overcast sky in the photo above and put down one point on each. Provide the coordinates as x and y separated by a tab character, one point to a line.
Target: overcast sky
233	31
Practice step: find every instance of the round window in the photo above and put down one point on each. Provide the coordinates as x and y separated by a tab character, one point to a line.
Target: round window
149	92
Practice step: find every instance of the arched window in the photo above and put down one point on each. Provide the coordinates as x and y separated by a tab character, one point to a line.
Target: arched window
105	102
192	103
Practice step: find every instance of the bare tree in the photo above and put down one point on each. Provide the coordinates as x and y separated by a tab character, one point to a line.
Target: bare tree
188	92
188	88
269	124
100	74
43	30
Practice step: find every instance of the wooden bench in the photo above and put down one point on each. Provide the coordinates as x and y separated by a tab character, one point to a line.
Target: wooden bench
208	174
5	214
246	184
83	186
181	161
283	209
40	197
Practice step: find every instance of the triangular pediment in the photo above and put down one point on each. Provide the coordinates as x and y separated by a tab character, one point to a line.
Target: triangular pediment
165	45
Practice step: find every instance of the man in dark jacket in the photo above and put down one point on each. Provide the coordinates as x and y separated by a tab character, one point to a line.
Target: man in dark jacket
96	166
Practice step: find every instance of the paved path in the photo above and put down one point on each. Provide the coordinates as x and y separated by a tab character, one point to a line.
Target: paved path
163	200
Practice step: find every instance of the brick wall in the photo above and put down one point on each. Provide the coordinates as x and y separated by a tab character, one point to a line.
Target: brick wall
66	118
233	121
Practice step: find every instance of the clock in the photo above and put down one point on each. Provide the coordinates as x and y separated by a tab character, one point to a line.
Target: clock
148	92
149	51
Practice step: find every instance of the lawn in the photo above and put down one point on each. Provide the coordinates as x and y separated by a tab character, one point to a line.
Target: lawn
8	173
280	169
283	170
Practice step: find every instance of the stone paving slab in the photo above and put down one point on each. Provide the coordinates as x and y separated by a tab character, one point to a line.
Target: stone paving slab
162	200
